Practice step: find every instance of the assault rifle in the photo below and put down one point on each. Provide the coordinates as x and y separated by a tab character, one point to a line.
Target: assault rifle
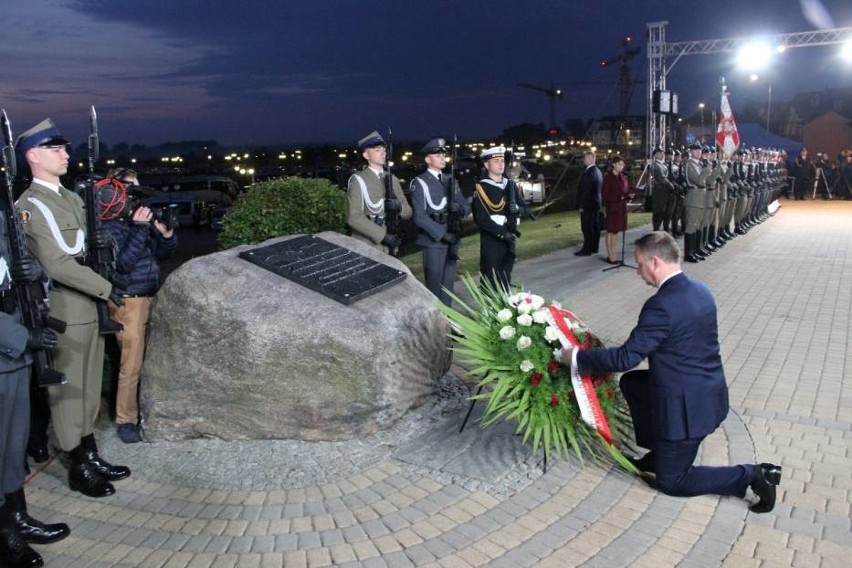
391	213
454	214
512	195
100	258
31	296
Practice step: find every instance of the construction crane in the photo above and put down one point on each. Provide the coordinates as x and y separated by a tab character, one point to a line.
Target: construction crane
552	93
625	79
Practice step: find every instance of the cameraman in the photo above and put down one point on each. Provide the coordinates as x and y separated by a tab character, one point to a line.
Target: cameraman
141	241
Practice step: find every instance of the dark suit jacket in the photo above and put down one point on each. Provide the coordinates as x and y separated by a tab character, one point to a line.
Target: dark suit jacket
589	189
677	332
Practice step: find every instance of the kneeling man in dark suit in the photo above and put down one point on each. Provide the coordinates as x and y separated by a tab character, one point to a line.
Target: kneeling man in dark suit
682	397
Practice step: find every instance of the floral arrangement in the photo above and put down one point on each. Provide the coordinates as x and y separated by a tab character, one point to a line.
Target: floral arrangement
514	343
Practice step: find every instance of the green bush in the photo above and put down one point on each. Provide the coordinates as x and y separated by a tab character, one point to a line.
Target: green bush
284	206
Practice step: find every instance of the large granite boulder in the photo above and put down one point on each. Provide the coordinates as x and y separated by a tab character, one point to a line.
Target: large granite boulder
237	352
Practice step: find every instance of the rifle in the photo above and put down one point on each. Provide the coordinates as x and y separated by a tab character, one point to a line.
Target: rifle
99	259
512	194
454	225
391	217
31	297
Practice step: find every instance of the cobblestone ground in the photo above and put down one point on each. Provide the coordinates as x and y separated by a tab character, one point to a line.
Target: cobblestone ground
424	494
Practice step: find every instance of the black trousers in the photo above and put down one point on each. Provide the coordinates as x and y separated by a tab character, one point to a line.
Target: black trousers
590	225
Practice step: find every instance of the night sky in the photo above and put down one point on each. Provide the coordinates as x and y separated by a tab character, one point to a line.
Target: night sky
253	72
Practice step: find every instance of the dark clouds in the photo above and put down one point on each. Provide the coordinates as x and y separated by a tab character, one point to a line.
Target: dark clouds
262	71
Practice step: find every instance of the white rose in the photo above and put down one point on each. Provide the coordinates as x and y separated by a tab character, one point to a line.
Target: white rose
527	366
557	354
525	320
504	315
525	306
515	299
507	332
540	316
551	334
536	301
524	342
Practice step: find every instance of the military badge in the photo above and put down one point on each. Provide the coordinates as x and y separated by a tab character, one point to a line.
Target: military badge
25	216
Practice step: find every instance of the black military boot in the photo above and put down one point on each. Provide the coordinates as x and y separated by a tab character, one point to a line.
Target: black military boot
14	550
104	469
31	530
83	477
689	248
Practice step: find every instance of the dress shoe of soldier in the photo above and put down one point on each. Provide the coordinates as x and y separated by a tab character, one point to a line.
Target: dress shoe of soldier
691	257
31	530
766	477
38	452
14	550
106	470
582	253
83	477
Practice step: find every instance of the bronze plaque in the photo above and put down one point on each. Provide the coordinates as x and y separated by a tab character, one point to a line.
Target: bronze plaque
324	267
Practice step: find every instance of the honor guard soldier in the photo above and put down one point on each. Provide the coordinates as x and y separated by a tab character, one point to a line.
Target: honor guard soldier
662	191
56	237
366	206
17	528
693	204
495	211
677	175
438	208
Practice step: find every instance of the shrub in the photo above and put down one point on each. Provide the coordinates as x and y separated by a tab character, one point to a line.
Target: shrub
284	206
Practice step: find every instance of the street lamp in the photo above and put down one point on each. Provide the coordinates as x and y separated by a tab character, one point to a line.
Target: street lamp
701	108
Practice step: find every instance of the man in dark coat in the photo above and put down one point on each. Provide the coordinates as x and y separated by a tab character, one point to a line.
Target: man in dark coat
589	204
682	397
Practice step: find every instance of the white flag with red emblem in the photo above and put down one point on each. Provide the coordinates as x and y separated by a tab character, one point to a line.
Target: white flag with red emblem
727	137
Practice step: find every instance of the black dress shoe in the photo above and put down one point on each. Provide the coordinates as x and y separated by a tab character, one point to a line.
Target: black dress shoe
38	452
83	477
644	464
30	529
106	470
14	550
766	477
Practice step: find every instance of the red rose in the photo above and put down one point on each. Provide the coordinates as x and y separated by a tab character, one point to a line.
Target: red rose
552	366
609	393
535	379
554	399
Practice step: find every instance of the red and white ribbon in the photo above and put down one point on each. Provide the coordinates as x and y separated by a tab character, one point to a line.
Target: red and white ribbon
584	389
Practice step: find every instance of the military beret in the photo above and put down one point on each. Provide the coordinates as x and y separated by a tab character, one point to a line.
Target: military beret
42	134
655	150
706	150
669	151
435	146
694	146
493	152
371	140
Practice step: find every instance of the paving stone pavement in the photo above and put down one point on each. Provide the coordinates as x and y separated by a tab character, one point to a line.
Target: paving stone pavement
423	494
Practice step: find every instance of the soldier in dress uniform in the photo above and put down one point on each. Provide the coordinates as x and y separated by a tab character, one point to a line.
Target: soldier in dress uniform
677	177
495	210
693	204
17	528
366	206
708	179
430	200
662	193
56	237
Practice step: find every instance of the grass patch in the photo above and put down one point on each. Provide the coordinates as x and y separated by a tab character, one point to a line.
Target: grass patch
548	233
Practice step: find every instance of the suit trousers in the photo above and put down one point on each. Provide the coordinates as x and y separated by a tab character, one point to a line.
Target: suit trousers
673	459
14	428
74	406
589	224
133	316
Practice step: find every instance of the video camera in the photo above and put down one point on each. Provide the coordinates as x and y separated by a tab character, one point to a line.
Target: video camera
118	201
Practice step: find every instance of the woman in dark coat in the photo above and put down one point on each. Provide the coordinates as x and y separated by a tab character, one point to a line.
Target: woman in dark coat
616	193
